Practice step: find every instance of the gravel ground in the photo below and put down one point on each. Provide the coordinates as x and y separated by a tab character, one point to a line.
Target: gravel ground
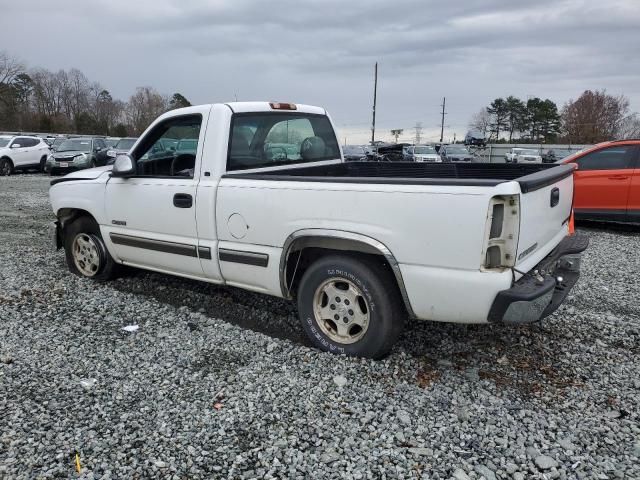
220	383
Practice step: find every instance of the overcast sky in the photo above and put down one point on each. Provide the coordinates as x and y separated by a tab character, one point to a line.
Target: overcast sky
322	52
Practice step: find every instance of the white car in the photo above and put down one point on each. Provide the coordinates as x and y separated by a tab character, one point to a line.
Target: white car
523	155
21	152
359	245
423	153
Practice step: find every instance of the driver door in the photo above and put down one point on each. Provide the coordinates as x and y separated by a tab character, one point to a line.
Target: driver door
151	215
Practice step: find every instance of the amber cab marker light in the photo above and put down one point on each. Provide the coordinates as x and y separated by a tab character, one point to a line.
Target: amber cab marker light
283	106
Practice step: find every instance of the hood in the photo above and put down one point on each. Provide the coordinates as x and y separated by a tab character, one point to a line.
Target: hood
86	174
89	173
68	154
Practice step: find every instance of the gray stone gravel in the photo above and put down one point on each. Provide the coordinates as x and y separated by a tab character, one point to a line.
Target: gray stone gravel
220	383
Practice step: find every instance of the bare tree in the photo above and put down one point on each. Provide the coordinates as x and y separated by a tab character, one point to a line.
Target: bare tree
144	106
481	121
10	68
629	127
594	117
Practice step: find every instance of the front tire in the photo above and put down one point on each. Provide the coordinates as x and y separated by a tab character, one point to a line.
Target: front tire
6	167
85	251
350	306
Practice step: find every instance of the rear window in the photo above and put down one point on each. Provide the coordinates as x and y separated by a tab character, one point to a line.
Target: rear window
271	139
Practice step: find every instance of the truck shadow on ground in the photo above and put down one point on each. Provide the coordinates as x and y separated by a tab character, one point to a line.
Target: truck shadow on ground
524	358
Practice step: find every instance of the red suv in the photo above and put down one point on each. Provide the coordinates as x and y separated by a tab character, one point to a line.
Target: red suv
607	182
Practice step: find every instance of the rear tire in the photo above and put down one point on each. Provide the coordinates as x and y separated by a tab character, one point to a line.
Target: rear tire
85	251
43	163
350	306
6	167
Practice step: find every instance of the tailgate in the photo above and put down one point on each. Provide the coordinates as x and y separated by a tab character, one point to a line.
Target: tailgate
545	207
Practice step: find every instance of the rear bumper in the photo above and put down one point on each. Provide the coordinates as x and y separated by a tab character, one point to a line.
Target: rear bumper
541	291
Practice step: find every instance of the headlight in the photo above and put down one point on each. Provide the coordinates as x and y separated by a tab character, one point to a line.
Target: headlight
81	158
50	158
111	153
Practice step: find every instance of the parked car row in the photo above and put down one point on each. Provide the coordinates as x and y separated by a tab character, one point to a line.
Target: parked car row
57	155
403	152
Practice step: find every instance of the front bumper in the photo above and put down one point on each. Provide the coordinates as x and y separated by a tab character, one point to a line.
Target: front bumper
541	291
58	240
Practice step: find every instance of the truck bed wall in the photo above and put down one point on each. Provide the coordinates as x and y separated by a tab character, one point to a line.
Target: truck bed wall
432	231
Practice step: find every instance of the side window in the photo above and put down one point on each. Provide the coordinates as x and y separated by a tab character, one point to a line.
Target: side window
22	141
169	150
99	143
612	158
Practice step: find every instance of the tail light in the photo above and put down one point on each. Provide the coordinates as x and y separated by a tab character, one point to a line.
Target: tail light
283	106
502	229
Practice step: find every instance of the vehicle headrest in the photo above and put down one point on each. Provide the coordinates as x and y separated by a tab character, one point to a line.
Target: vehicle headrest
312	148
239	142
184	161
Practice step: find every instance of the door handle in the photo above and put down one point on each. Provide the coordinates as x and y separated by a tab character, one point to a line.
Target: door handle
182	200
618	177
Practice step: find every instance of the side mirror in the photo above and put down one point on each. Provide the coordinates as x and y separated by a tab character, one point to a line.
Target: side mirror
15	145
124	166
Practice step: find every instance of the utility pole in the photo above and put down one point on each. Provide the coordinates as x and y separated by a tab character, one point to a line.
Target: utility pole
444	101
418	130
375	93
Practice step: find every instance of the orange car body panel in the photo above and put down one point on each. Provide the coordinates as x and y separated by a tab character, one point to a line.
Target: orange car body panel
613	193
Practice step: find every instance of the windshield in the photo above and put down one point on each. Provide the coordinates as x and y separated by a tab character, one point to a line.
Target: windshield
125	143
426	150
570	157
4	142
527	151
454	149
75	144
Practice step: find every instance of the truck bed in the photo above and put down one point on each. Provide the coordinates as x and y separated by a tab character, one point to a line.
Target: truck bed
530	177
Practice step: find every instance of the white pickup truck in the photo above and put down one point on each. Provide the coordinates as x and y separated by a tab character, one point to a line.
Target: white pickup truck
258	197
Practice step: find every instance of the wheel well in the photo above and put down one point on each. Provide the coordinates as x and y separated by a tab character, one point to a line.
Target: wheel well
68	215
305	251
7	158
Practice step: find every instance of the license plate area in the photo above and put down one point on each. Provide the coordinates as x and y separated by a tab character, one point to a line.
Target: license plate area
64	164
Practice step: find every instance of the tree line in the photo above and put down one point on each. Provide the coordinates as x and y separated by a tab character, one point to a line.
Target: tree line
66	101
595	116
